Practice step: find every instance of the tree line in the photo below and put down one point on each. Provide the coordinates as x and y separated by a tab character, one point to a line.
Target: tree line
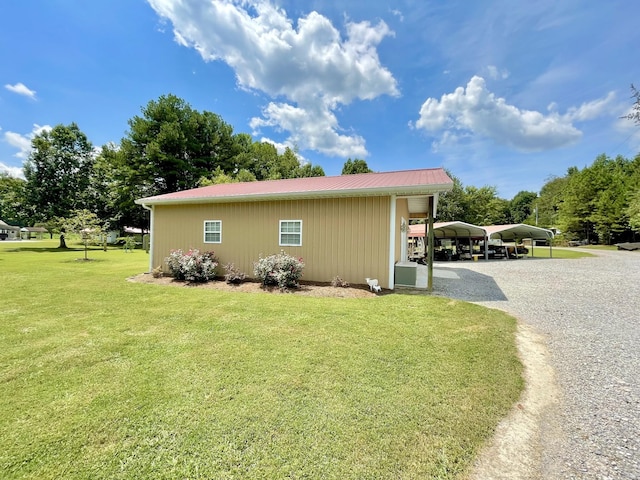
169	147
172	147
597	204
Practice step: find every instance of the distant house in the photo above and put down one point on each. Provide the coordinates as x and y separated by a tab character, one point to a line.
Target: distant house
9	232
353	226
28	233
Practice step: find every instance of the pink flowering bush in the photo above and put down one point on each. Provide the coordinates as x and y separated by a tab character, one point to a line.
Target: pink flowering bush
282	270
192	266
233	275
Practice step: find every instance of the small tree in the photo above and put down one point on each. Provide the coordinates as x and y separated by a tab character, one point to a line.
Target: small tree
87	225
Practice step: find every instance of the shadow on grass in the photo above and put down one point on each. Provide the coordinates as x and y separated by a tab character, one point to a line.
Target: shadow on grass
46	249
84	260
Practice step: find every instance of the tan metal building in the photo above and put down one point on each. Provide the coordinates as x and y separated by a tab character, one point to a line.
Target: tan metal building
353	226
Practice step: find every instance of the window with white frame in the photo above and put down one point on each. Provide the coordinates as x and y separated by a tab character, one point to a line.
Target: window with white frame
213	231
290	233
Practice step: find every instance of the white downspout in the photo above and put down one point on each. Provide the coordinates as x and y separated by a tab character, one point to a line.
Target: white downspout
151	235
392	242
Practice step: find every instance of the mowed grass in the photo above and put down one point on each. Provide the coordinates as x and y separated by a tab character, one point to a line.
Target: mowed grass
600	247
102	378
558	252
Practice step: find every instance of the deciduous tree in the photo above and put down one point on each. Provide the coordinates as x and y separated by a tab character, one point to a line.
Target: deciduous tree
355	166
522	206
58	172
12	200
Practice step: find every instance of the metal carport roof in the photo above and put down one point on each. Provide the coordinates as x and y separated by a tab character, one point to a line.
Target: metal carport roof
512	232
449	230
517	231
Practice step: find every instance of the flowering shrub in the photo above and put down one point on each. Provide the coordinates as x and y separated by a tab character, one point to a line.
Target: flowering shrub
282	270
192	266
233	275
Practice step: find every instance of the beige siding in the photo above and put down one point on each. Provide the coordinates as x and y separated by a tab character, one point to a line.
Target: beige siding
348	237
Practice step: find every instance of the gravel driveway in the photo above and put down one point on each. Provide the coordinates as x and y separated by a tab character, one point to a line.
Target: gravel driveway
589	312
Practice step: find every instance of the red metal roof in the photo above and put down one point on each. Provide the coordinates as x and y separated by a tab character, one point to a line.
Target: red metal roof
409	182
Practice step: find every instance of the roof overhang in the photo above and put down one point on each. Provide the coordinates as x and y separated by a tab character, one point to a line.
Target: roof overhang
406	191
6	226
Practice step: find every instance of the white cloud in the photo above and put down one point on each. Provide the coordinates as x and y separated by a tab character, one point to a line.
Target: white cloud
310	129
21	89
496	73
23	142
397	13
309	64
12	171
629	128
593	109
475	109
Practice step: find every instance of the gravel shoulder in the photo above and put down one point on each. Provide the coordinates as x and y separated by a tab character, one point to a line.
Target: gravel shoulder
579	338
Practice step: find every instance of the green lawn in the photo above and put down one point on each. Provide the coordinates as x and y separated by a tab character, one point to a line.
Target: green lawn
558	252
103	378
600	247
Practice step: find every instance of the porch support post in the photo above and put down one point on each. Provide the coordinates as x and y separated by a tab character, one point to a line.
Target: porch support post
151	235
431	247
392	241
486	247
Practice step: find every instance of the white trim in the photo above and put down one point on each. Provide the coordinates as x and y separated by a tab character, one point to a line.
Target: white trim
392	241
204	231
280	232
436	197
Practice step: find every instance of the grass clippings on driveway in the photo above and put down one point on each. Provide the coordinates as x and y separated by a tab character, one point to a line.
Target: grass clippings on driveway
104	378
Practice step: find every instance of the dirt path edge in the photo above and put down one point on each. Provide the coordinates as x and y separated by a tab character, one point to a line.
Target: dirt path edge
515	450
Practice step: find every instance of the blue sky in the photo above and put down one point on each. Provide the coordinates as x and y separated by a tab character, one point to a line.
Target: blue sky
501	93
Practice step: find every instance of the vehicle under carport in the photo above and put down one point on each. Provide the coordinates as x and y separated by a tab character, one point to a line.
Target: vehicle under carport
518	232
463	235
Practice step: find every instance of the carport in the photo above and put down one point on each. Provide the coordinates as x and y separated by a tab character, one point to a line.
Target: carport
459	232
518	232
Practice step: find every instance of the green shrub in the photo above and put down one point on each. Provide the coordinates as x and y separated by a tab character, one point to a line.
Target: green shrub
282	270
